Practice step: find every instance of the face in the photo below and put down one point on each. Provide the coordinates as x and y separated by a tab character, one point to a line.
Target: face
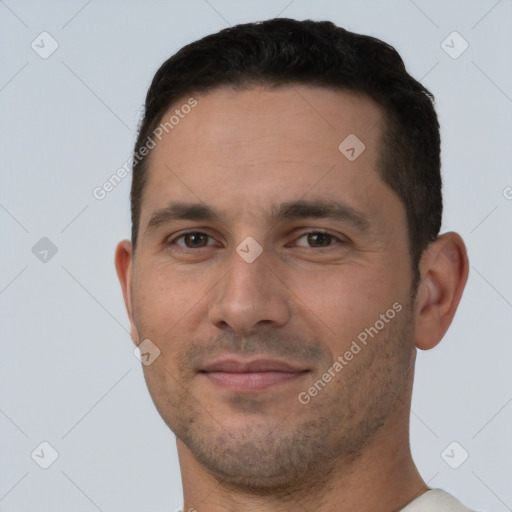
272	272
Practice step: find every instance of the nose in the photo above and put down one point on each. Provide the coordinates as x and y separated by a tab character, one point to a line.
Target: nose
249	297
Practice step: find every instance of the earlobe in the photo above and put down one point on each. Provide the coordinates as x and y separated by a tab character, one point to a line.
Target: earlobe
123	263
444	269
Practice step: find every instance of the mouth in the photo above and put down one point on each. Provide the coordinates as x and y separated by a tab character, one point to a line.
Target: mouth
251	376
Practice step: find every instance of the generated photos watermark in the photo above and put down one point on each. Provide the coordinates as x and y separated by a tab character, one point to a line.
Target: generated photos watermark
355	348
101	191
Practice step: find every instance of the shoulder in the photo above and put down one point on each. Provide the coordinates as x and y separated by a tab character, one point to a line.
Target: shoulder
436	500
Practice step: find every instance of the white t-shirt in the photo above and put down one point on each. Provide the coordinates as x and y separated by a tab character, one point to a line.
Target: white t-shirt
435	500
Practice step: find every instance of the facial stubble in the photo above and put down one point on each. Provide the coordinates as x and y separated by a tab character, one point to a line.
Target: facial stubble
297	448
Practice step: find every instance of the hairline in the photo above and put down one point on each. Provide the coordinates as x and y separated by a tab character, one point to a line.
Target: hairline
386	125
143	166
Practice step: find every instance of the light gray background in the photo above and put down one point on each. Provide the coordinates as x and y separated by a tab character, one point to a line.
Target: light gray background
68	374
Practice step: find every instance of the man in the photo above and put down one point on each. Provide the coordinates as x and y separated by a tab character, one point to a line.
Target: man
286	264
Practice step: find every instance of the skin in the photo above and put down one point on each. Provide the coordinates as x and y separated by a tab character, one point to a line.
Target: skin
303	300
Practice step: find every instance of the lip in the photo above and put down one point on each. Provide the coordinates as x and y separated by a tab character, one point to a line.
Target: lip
256	365
251	376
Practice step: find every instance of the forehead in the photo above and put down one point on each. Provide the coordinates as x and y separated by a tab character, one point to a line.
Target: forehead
294	117
248	149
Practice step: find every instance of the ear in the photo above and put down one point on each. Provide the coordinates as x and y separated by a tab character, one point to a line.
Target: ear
444	271
124	264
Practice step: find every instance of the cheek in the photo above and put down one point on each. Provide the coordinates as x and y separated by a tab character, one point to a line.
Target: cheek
342	302
168	299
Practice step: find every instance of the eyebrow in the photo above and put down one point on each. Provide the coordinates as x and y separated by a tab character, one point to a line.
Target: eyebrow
300	209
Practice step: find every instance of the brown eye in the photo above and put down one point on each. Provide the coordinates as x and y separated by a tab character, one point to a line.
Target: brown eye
318	239
192	240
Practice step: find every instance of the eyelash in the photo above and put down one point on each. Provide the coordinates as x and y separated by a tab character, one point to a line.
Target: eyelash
173	241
